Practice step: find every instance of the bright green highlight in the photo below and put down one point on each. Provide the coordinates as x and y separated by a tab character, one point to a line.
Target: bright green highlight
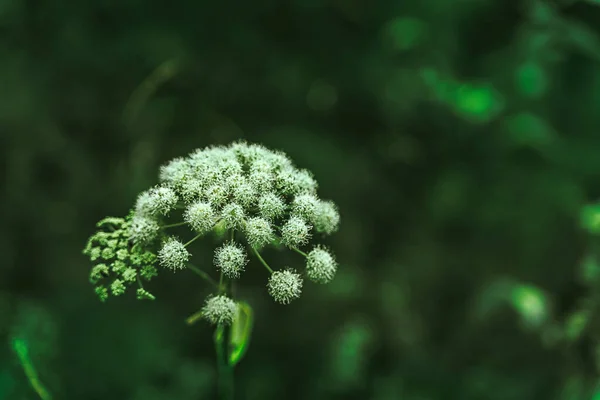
474	102
20	347
350	351
479	102
531	303
240	333
590	218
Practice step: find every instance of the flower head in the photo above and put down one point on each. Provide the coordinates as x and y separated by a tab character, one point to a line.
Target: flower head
200	216
173	254
175	172
295	232
234	216
259	232
143	229
231	259
327	217
320	265
285	286
271	206
305	206
219	310
217	195
156	201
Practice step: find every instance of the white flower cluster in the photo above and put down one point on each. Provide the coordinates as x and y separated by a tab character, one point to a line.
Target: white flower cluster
240	182
250	191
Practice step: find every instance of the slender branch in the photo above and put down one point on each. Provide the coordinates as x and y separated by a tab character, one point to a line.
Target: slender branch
299	251
194	238
174	225
202	274
194	317
262	260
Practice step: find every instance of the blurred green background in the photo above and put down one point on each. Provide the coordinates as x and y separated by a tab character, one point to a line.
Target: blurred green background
461	140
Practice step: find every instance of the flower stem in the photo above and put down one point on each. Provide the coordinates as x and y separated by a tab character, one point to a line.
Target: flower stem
262	260
225	370
194	238
202	274
194	317
221	285
174	225
299	251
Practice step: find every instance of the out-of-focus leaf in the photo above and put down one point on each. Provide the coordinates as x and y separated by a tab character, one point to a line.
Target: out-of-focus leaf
350	352
531	303
240	333
589	269
22	350
532	81
404	33
590	218
576	323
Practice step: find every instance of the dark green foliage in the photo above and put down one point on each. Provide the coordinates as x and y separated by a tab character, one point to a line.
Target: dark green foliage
460	140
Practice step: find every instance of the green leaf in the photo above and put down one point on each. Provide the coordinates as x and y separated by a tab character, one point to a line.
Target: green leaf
240	332
532	80
406	32
478	103
589	270
531	303
22	350
590	218
576	324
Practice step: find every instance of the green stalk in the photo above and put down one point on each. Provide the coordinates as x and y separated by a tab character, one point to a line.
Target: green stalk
201	274
224	369
262	260
225	380
297	250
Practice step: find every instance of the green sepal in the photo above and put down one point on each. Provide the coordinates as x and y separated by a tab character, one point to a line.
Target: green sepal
240	333
220	229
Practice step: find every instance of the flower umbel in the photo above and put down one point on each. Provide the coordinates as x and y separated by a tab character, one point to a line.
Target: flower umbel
248	197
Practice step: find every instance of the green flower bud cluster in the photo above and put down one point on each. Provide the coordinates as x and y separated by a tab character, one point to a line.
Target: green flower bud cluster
118	262
254	195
